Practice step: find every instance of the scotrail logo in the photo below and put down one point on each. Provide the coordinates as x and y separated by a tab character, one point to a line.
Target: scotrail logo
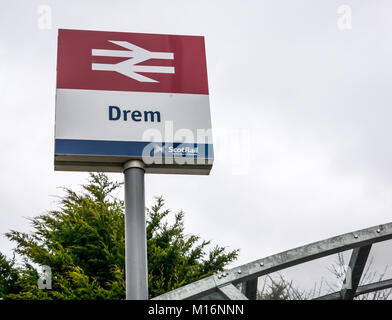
189	151
131	67
179	150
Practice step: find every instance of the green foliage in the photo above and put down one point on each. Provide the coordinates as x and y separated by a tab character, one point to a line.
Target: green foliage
175	259
8	276
83	244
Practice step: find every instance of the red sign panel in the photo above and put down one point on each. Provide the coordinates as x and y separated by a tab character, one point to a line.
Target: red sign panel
120	61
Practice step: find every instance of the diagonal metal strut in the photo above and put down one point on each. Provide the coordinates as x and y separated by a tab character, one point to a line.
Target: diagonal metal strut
230	292
249	288
354	272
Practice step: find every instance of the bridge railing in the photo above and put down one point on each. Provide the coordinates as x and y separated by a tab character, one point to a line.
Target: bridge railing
224	285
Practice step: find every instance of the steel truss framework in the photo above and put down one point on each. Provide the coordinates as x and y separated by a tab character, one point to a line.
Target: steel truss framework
223	285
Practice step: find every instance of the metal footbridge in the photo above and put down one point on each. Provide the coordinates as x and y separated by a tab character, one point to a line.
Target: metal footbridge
224	285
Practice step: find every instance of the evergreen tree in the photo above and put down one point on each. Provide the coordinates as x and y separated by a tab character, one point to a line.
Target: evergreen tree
8	276
83	244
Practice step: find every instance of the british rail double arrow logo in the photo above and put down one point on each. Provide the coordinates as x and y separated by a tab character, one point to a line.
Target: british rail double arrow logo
131	66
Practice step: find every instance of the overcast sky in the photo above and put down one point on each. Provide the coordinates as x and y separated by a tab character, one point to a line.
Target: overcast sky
300	105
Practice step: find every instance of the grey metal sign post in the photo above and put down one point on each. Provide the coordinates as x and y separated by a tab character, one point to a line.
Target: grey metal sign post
136	276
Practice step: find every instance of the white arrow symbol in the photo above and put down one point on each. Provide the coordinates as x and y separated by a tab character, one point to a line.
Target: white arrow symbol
129	67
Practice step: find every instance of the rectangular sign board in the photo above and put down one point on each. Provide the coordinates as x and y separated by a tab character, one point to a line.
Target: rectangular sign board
123	96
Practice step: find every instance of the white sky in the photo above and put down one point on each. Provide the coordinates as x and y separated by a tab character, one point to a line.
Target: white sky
306	104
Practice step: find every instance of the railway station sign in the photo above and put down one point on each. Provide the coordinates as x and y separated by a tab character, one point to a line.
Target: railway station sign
124	96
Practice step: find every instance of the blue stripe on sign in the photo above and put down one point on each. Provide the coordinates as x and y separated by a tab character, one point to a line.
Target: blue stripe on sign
131	148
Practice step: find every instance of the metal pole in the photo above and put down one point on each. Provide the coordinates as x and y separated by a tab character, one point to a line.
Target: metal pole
136	279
